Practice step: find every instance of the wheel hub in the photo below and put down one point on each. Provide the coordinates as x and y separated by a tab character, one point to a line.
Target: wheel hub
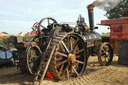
72	58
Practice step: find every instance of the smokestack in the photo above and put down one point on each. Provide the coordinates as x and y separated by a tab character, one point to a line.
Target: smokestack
91	16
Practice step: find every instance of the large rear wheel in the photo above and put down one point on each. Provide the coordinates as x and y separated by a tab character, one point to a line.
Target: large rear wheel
70	58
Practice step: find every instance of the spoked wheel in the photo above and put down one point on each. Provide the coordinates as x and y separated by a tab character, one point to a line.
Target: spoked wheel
45	22
69	59
105	54
30	60
33	58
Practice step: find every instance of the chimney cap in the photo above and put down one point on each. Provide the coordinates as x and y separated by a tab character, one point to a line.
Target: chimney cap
91	6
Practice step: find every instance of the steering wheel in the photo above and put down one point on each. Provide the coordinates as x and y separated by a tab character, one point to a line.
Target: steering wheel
47	21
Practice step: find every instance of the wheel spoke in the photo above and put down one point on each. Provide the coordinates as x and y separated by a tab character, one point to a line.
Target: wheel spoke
74	45
75	71
61	68
42	26
75	49
77	56
65	70
68	43
103	50
108	57
61	63
106	48
105	59
61	48
59	59
67	74
78	61
102	57
82	50
71	44
65	46
61	54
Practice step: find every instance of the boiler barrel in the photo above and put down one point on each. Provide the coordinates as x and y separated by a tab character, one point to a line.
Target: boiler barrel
92	36
123	53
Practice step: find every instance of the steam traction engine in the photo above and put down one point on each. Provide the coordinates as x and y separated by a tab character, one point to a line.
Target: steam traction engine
62	50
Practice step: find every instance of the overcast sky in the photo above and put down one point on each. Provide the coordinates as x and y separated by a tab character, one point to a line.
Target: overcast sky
19	15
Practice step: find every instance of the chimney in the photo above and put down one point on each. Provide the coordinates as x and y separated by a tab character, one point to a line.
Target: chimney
91	16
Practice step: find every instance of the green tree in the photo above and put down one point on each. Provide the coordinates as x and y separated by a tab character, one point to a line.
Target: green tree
121	10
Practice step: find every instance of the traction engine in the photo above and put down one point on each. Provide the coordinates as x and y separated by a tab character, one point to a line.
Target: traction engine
61	49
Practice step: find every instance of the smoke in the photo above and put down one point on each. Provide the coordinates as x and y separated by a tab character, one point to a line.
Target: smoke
106	4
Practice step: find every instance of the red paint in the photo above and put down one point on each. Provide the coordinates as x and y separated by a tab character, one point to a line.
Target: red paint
119	28
49	75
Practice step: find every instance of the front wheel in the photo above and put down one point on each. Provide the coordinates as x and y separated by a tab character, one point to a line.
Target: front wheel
105	54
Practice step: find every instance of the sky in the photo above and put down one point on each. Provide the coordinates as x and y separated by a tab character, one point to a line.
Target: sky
19	15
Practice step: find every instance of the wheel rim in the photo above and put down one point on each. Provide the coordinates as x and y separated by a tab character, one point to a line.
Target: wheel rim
105	54
33	59
48	19
69	56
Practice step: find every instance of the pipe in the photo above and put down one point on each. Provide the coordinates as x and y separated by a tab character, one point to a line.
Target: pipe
91	16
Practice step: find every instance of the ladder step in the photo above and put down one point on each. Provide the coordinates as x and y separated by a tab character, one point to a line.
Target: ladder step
43	68
39	74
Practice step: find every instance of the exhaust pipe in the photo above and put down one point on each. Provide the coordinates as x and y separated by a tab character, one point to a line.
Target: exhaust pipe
91	16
